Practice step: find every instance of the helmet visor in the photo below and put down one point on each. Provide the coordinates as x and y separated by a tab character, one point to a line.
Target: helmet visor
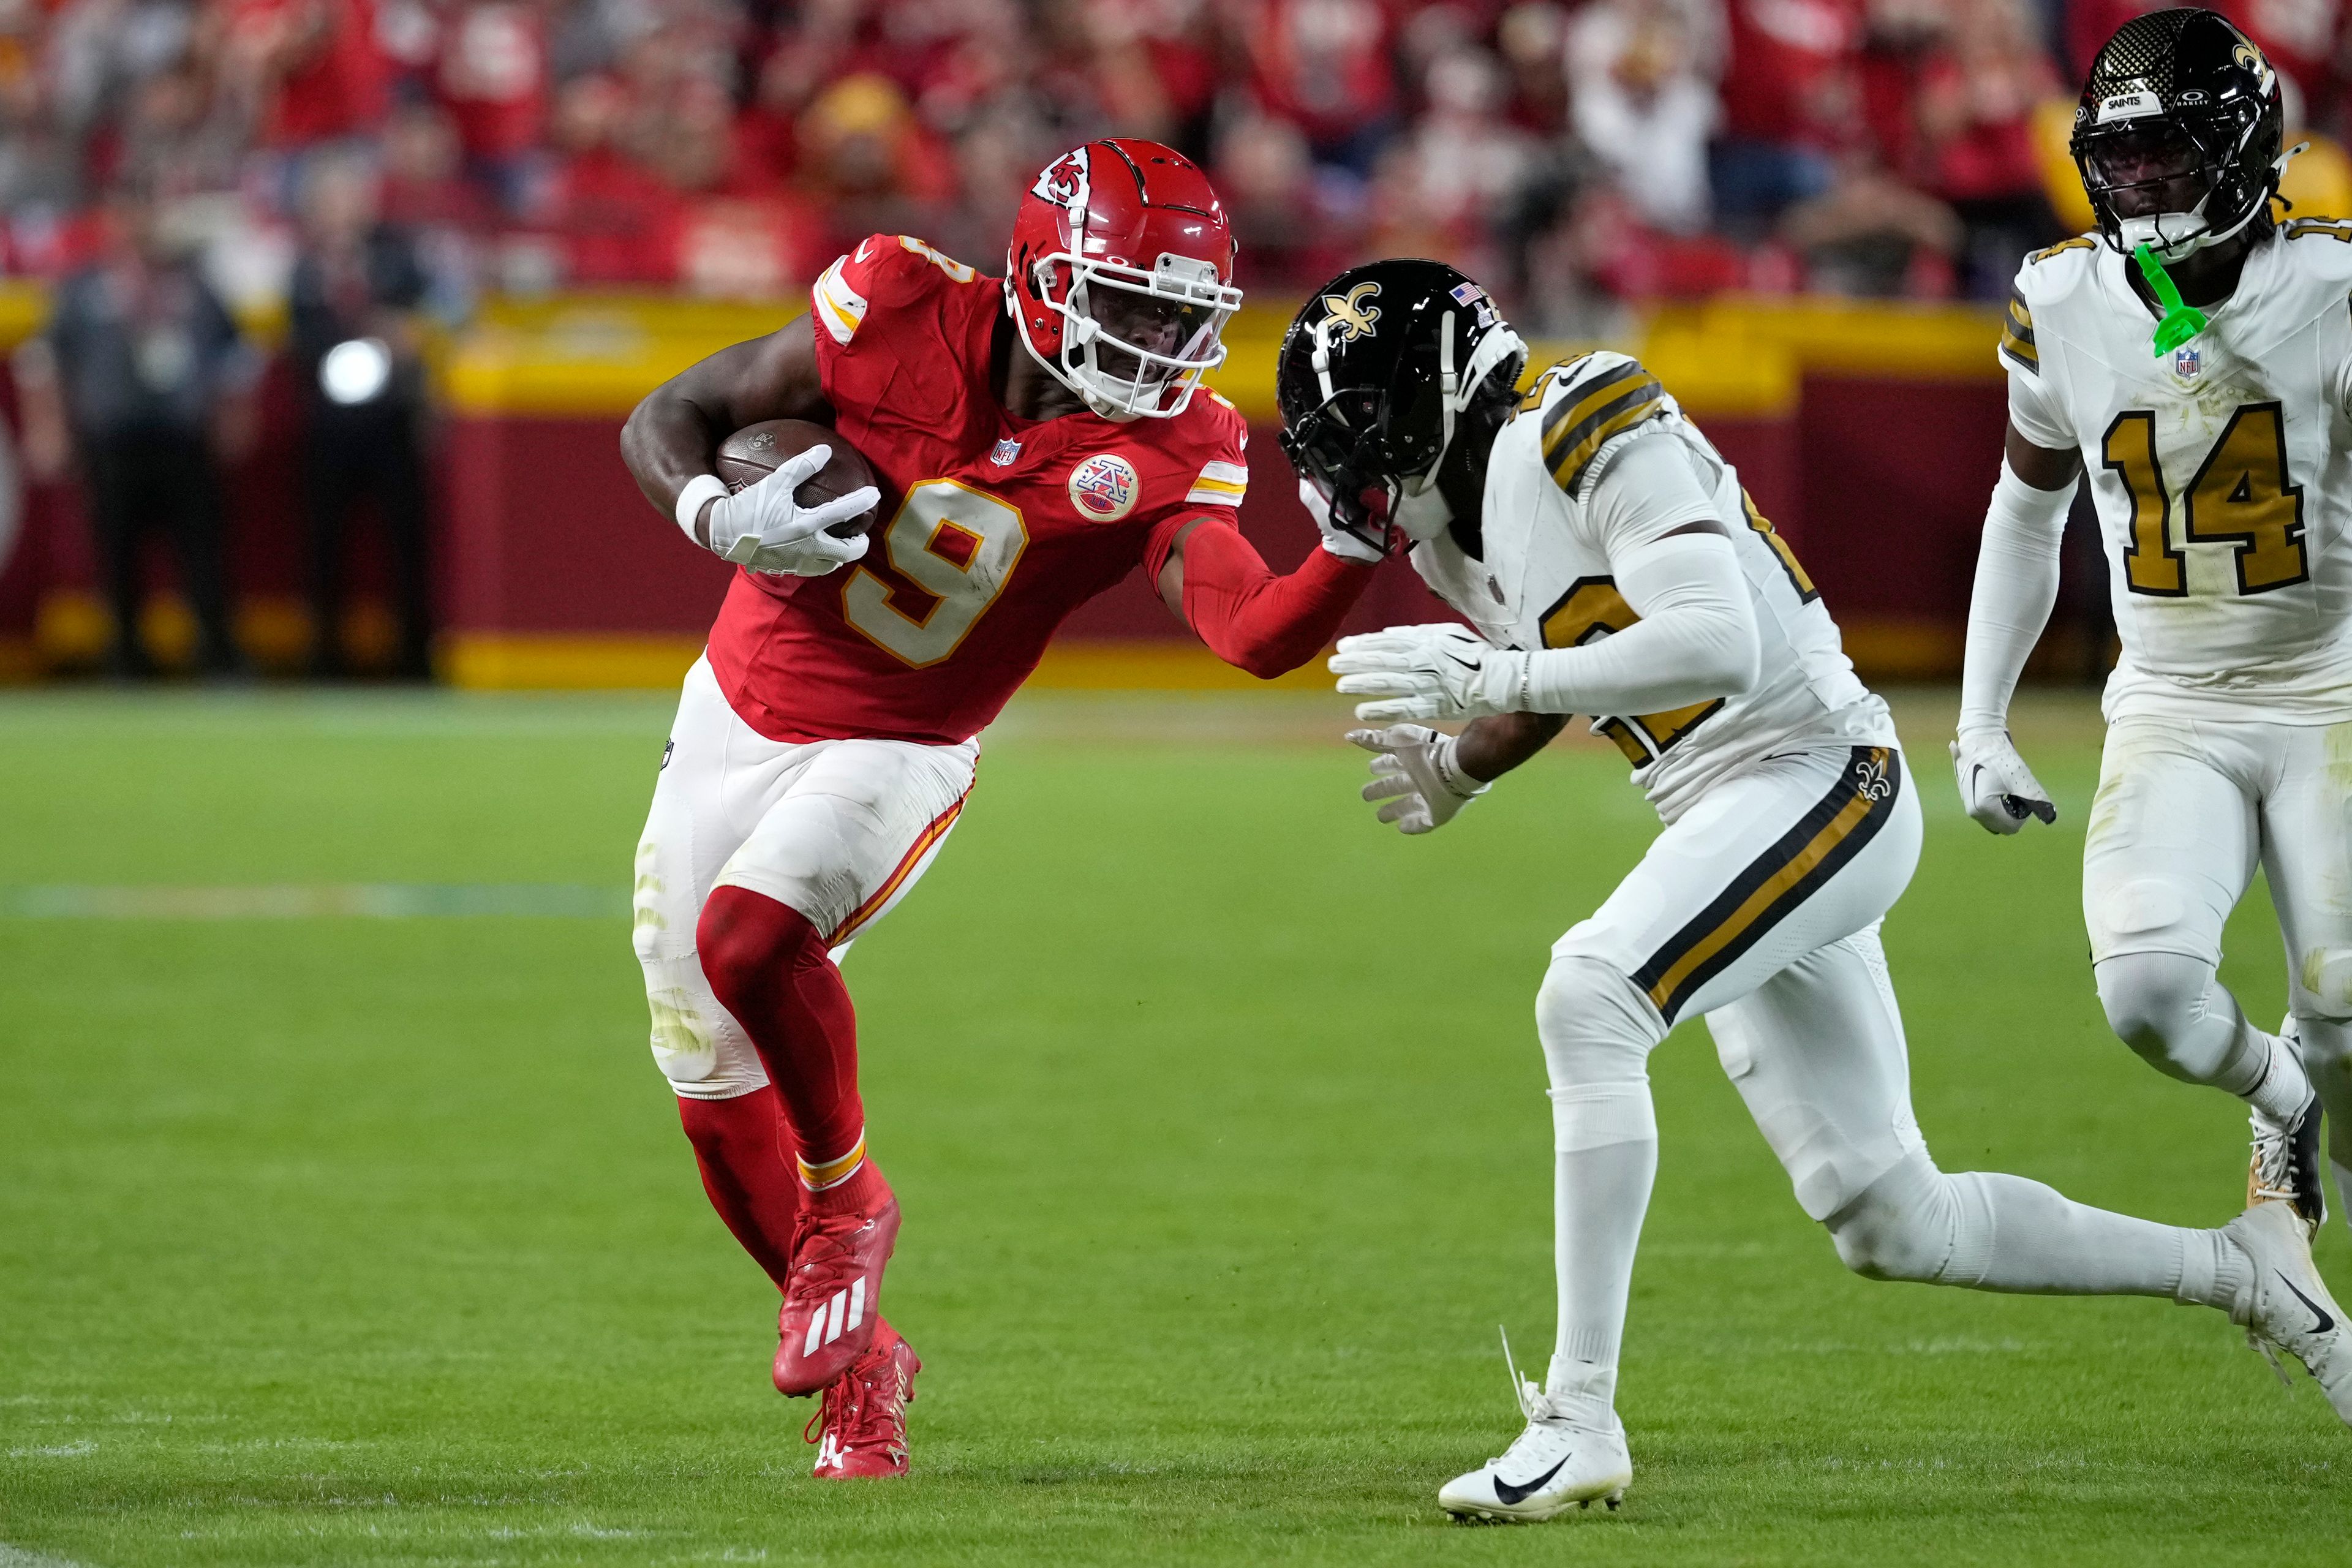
2142	171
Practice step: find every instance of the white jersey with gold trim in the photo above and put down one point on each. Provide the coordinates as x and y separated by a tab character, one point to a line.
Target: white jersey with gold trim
2221	472
1543	578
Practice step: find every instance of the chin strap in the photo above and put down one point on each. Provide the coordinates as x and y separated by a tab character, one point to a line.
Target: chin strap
1494	349
1448	387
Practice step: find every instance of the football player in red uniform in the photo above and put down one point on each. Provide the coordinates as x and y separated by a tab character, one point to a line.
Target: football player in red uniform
1035	439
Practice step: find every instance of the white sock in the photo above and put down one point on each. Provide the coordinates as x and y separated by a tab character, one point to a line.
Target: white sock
1990	1231
2266	1074
1605	1143
2176	1013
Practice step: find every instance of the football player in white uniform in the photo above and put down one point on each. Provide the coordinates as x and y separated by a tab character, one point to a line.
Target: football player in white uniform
1610	565
2197	357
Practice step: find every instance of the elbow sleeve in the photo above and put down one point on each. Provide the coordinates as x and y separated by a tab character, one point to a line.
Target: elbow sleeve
1696	640
2016	586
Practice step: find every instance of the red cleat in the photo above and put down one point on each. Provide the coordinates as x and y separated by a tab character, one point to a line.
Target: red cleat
861	1426
834	1298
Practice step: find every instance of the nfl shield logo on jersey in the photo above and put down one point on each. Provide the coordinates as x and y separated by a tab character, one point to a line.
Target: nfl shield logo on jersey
2187	362
1005	452
1103	488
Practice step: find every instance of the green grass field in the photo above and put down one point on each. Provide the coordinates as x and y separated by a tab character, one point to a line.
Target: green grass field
1219	1123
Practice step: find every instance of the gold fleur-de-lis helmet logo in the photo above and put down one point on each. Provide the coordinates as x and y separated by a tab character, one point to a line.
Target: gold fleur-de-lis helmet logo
2248	55
1352	317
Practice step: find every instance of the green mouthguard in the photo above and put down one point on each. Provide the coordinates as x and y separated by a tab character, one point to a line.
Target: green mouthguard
2181	321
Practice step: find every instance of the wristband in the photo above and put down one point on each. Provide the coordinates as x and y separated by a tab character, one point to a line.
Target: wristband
1450	774
700	488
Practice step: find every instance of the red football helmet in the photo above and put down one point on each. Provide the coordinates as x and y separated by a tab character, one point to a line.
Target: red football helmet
1120	274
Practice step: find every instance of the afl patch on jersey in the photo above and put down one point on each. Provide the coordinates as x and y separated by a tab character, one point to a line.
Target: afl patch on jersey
1103	488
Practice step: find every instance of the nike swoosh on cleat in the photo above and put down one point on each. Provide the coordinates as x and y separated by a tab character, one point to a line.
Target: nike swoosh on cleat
1508	1493
2321	1327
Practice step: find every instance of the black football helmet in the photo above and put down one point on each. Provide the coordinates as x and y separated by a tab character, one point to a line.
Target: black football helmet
2177	133
1375	375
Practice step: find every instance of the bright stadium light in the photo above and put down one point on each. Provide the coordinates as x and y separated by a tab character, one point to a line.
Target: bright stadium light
355	371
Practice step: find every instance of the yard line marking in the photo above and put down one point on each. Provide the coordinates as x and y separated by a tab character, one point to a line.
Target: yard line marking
18	1557
316	900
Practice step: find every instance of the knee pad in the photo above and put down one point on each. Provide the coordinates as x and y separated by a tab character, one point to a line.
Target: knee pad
1907	1226
2325	973
1595	1025
697	1044
2157	1004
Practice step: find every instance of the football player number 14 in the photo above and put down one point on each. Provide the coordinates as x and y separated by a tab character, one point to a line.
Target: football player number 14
2240	497
955	544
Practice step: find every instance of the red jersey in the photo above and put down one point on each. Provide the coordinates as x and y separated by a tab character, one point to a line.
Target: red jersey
997	527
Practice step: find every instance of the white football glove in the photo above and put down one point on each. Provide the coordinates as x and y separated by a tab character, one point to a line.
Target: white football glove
1419	784
763	528
1440	672
1998	790
1337	540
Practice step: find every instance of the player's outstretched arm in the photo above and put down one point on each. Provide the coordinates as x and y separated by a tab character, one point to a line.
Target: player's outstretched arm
1215	582
2016	586
671	437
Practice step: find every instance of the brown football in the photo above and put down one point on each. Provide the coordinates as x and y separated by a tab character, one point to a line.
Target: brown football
752	453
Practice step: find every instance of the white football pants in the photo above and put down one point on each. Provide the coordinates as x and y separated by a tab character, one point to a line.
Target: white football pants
1759	908
2185	810
838	830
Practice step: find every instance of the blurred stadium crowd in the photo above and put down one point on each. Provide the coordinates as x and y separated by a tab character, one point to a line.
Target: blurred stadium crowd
1582	156
178	173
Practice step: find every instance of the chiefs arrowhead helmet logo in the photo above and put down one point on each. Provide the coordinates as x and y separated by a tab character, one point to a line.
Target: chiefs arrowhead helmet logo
1064	183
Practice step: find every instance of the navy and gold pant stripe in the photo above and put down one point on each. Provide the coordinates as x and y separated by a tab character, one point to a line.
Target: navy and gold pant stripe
1576	427
1778	881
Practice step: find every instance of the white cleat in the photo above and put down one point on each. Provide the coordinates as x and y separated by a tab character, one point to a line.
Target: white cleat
2285	1166
1563	1459
2289	1307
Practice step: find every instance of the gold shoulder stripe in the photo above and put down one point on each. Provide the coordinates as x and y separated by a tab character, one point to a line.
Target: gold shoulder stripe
1578	425
2017	335
1558	370
1581	400
2334	228
2080	242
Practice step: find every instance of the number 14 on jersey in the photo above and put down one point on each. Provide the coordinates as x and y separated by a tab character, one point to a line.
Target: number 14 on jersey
2241	496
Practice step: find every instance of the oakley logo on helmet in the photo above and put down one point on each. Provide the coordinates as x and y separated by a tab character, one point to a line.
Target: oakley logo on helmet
1352	317
1103	488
